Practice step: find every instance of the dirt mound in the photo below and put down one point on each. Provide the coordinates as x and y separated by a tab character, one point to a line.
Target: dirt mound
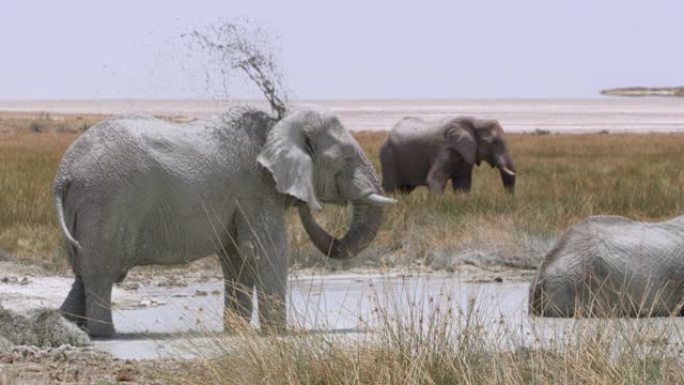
43	328
29	365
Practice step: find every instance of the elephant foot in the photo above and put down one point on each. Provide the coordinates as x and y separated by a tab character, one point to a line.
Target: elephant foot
100	330
235	323
273	322
277	330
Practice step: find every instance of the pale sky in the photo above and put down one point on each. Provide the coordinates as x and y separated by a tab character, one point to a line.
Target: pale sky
350	49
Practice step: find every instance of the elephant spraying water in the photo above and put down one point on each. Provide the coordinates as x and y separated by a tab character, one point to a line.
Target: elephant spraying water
135	191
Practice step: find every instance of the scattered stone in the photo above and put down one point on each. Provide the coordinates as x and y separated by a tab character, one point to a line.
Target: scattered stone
200	293
150	302
498	279
15	280
172	281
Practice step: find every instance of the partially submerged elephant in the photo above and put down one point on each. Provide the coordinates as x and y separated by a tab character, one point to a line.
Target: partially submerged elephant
425	153
135	191
612	266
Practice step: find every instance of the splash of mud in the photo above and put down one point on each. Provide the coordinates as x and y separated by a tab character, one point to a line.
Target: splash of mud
243	44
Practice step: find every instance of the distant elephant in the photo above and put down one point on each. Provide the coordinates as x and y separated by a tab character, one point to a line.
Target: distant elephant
612	266
134	191
422	153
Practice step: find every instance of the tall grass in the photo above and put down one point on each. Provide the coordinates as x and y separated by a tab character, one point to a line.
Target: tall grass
448	344
561	179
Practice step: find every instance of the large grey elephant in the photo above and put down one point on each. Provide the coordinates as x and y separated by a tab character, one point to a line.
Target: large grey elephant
429	153
612	266
137	190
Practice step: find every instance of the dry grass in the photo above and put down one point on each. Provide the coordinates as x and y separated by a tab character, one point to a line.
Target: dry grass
449	345
30	148
561	179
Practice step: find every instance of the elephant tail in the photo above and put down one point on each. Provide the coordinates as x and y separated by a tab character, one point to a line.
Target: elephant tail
58	194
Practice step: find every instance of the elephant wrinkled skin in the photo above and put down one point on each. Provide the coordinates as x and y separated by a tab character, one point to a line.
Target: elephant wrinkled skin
422	153
612	266
138	190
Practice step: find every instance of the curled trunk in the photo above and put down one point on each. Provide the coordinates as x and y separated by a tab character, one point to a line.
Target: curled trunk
366	220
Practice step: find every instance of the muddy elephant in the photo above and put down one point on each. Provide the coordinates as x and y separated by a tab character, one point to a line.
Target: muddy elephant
423	153
138	190
612	266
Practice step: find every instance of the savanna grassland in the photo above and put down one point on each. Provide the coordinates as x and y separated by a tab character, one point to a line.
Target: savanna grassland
561	179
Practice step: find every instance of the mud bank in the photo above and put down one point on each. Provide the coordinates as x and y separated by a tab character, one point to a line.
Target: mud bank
41	328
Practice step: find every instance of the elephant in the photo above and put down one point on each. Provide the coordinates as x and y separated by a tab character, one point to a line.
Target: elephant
609	266
429	153
136	190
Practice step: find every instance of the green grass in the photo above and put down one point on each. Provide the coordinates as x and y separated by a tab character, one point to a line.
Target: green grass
561	179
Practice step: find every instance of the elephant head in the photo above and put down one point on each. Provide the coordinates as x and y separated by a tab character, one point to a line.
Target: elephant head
477	140
314	159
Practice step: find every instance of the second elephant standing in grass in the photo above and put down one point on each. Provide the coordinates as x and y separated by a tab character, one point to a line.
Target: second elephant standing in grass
424	153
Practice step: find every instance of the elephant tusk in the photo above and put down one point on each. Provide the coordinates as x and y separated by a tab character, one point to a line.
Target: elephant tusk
379	199
507	171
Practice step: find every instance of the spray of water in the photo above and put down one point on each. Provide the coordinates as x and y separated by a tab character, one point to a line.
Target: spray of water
243	44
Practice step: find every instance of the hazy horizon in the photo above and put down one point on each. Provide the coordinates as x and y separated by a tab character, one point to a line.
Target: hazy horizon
384	50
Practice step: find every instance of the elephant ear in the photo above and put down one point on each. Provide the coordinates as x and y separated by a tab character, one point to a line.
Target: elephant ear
461	138
486	130
284	155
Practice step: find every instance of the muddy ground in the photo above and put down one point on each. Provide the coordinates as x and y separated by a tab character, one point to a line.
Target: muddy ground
149	350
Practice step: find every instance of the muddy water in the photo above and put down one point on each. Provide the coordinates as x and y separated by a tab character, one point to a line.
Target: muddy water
156	321
185	321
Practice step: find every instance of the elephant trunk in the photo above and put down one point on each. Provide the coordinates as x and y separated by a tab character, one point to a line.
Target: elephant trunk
504	163
366	220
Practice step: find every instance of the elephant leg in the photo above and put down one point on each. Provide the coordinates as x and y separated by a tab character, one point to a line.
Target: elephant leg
73	307
98	305
437	177
389	170
271	290
405	188
262	239
461	180
238	276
